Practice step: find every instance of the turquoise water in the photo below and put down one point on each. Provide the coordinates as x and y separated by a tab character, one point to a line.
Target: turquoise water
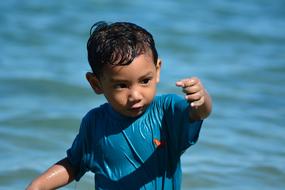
237	48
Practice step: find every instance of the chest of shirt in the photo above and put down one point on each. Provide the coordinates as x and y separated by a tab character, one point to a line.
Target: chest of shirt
129	147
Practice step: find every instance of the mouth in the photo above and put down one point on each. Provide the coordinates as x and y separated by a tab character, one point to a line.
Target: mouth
137	109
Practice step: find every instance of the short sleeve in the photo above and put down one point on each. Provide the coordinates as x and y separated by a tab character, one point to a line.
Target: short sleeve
76	153
181	131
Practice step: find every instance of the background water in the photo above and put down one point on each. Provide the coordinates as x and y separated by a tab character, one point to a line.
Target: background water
237	48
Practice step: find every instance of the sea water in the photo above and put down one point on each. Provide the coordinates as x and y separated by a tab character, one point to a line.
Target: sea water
236	48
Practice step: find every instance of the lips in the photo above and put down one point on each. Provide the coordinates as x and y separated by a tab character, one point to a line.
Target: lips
136	108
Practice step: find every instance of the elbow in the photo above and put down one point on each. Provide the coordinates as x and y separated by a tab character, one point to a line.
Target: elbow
34	185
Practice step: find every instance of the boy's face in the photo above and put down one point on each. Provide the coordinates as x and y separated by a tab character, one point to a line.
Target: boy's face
129	88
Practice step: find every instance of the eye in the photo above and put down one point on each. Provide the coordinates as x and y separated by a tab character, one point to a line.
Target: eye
119	86
146	81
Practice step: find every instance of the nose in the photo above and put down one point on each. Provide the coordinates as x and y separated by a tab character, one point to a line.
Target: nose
134	95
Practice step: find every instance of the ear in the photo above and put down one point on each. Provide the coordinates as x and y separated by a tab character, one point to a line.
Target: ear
158	67
94	82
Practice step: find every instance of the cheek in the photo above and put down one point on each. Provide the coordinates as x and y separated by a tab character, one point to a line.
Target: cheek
150	93
118	98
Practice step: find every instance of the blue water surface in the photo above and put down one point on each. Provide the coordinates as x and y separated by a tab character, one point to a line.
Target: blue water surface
235	47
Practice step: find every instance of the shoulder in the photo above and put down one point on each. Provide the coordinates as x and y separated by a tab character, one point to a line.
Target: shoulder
168	99
171	103
94	115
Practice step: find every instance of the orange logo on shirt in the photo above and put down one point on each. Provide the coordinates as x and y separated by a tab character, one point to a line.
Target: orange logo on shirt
159	143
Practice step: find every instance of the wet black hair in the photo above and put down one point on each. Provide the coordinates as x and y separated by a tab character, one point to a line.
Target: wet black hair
117	43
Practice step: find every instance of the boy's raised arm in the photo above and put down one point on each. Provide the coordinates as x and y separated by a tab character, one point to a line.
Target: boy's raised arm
58	175
198	98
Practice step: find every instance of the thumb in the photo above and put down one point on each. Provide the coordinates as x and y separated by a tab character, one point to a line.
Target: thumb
180	83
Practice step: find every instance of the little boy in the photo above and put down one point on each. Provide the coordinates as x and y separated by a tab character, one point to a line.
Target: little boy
135	140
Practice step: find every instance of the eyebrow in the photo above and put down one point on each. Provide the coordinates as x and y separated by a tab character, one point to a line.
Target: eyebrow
147	75
115	80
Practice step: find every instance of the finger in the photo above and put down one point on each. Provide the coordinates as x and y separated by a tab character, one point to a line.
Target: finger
179	84
198	103
186	82
194	97
192	89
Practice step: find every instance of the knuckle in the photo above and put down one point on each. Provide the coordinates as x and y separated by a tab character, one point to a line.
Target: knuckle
195	97
196	79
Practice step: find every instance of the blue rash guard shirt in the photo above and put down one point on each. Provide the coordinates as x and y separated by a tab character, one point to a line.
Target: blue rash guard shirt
135	153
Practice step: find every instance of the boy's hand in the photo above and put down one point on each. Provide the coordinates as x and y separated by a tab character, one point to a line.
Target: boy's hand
197	97
194	90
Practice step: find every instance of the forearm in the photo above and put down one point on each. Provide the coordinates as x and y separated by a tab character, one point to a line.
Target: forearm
56	176
203	111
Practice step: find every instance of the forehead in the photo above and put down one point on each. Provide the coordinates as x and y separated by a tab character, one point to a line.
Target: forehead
140	66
